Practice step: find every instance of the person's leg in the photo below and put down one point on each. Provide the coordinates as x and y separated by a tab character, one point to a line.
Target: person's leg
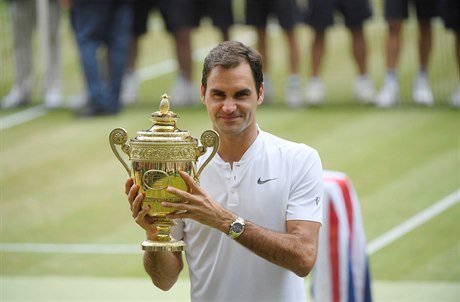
315	90
263	50
256	14
449	11
320	16
23	16
221	13
317	51
293	96
425	42
355	13
130	85
393	44
455	97
289	16
389	94
183	44
422	93
359	49
262	46
88	19
426	10
457	49
181	18
293	51
52	82
139	27
118	47
363	88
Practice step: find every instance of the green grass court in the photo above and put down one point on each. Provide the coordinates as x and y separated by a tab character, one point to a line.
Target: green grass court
61	184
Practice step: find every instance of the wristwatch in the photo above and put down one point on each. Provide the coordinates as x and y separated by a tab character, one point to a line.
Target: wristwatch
236	228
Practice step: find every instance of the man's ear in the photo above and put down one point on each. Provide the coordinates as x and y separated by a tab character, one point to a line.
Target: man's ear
202	93
261	94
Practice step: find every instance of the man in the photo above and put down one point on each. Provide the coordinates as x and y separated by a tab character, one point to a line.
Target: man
320	16
396	11
269	187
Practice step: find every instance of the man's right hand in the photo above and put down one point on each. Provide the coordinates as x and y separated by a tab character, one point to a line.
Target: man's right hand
138	211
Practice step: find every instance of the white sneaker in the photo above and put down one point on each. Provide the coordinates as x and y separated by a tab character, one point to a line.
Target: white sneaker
388	95
454	101
130	88
53	98
183	93
363	90
77	101
16	97
315	92
421	92
293	95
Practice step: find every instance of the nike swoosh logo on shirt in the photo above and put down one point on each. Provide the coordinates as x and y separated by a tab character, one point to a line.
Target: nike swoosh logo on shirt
261	182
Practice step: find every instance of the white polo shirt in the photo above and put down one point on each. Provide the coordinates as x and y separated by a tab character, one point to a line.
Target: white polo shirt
275	181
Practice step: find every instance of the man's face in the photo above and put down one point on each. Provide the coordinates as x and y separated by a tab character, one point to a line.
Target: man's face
231	99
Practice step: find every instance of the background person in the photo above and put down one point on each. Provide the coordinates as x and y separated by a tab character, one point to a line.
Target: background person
450	14
102	26
181	17
320	16
288	15
270	187
130	84
23	15
396	11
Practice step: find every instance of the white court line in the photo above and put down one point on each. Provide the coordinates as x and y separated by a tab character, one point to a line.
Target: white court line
63	248
146	73
413	222
22	117
375	245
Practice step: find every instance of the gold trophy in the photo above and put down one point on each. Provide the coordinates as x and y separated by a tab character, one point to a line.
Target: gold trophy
156	156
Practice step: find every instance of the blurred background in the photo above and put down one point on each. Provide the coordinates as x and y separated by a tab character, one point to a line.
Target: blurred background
66	230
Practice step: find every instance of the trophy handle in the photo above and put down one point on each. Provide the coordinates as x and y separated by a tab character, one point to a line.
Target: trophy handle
209	138
119	136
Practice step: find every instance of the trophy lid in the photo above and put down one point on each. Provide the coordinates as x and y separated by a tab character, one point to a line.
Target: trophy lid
164	126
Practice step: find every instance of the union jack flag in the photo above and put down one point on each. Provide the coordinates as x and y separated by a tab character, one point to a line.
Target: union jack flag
341	272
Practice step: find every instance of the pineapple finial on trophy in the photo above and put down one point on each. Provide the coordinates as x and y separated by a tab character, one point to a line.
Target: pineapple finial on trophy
164	120
164	104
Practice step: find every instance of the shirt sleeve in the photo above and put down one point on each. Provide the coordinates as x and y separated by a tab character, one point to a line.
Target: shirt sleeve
306	192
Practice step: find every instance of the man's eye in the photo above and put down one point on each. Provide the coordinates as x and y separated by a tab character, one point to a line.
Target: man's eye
241	95
218	95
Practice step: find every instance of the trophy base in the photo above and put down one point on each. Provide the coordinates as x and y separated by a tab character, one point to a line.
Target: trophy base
163	246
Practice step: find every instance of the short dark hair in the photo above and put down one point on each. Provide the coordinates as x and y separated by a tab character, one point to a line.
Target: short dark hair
230	54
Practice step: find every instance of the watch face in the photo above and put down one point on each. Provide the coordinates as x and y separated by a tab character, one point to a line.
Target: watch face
237	228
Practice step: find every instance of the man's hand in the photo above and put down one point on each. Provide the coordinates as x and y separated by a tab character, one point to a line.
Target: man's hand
139	213
197	205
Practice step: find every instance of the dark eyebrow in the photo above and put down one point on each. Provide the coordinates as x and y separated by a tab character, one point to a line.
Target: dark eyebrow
245	91
215	91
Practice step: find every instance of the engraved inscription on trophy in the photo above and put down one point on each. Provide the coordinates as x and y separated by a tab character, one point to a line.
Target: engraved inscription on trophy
155	180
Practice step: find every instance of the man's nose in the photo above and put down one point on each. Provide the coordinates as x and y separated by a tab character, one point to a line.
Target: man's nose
229	105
